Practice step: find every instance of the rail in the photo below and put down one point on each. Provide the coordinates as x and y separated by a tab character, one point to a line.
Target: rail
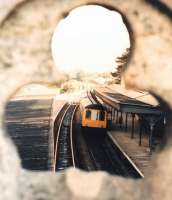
71	136
64	140
107	155
126	157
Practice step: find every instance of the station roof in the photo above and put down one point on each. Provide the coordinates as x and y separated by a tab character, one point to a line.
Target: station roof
124	103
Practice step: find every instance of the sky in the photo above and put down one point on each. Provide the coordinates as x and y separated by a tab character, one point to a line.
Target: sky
89	40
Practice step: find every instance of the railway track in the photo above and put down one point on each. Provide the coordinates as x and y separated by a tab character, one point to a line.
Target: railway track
100	152
64	148
106	156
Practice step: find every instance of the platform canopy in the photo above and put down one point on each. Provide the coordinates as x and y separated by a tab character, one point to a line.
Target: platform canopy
127	104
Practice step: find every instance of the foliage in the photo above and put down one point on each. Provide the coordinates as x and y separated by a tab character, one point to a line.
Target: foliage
121	62
65	88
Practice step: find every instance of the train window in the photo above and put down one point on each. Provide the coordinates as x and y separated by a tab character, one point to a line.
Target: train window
94	115
88	114
102	115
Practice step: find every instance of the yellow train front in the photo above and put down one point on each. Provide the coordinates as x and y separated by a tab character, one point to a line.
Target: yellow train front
94	116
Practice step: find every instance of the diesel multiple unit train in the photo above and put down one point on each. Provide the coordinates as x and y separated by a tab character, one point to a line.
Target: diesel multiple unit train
94	116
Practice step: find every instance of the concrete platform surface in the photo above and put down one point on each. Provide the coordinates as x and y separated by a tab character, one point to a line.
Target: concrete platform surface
29	122
140	155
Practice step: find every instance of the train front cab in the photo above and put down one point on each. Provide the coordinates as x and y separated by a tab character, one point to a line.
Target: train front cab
94	120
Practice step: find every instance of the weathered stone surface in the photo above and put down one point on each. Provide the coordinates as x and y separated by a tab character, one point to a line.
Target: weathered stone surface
75	184
9	169
100	185
6	7
25	56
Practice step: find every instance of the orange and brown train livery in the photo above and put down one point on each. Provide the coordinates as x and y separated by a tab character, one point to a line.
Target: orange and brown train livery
93	115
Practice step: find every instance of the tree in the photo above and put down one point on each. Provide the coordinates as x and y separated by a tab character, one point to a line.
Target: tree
121	62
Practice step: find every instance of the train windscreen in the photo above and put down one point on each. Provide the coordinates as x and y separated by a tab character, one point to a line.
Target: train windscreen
95	115
102	115
88	114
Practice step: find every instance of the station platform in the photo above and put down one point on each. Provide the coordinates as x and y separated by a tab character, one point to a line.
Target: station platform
139	154
135	121
29	122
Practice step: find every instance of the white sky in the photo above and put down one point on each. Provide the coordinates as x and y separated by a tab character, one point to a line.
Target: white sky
89	39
